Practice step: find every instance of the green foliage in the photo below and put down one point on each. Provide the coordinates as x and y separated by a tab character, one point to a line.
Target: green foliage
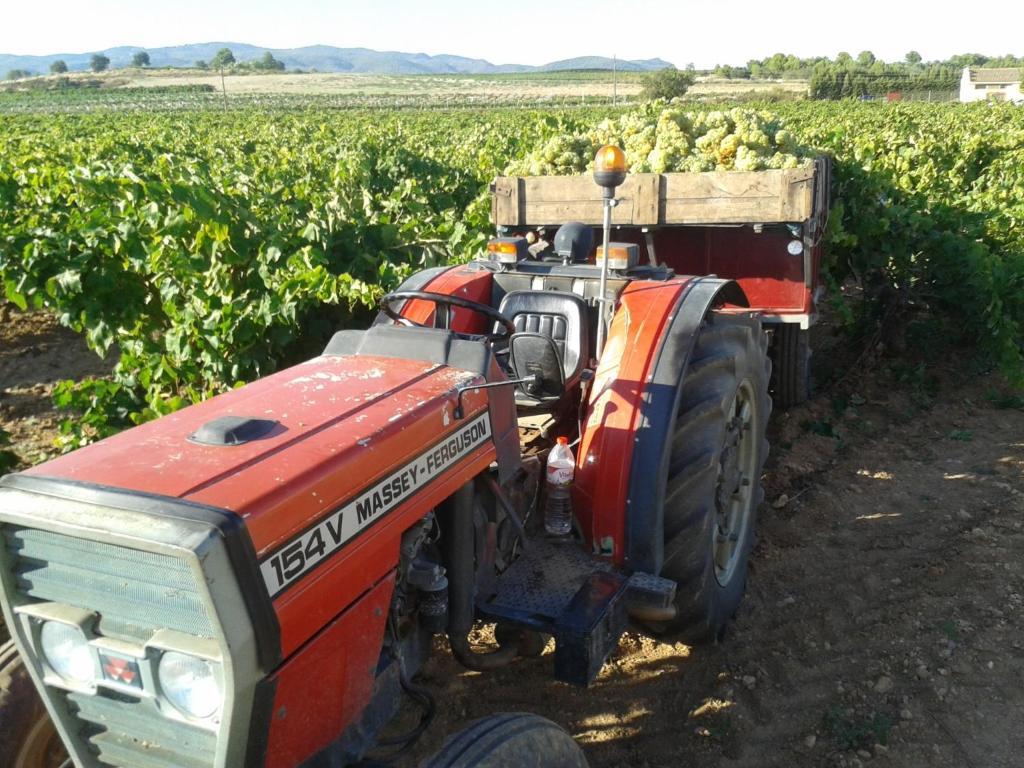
59	67
1005	401
210	248
836	81
140	59
268	63
929	201
852	731
785	66
222	58
822	427
666	83
8	459
98	62
18	74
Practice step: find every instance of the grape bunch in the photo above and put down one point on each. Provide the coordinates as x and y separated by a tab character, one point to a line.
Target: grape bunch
661	137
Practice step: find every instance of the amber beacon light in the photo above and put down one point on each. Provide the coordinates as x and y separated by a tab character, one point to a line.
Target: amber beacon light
609	172
609	168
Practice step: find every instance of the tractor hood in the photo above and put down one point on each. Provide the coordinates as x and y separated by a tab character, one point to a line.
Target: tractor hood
294	445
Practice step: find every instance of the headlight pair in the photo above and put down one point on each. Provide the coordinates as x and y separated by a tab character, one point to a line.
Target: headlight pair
194	686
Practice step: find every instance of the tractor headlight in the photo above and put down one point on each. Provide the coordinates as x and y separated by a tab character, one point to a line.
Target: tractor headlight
67	652
193	685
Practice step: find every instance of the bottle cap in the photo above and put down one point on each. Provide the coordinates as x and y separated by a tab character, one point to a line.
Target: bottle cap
562	440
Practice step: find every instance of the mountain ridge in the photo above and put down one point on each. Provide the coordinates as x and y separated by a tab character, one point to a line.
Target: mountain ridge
323	58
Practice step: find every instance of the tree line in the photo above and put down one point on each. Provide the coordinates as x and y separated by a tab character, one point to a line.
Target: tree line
847	76
224	59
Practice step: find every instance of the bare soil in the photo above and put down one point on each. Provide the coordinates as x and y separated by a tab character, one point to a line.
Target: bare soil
36	353
882	622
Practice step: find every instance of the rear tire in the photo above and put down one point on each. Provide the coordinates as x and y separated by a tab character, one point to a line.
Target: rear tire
509	740
28	738
714	479
791	354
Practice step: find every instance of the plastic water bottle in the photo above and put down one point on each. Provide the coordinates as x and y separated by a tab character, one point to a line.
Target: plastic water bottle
558	507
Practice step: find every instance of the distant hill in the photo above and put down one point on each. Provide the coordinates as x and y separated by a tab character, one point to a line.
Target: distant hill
323	58
603	62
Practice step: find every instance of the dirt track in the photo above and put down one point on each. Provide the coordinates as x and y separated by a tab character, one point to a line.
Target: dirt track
882	622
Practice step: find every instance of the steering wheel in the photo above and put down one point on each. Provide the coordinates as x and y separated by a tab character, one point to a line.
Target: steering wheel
446	301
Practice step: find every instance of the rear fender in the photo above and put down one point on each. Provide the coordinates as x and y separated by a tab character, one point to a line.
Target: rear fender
622	462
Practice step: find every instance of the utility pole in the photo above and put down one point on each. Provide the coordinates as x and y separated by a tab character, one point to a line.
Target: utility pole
615	87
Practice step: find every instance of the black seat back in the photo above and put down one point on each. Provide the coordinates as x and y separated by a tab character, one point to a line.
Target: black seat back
560	316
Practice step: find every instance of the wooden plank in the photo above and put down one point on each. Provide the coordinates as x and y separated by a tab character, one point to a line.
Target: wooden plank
557	199
646	199
505	208
645	205
799	194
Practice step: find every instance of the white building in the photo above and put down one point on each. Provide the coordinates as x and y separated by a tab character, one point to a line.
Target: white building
979	84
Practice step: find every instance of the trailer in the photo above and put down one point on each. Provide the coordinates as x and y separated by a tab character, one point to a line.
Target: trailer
763	229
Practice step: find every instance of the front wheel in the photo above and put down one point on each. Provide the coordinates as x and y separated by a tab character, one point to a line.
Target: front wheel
714	480
28	738
509	740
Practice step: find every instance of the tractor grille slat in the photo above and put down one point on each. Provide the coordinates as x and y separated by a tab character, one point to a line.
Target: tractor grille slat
133	733
128	588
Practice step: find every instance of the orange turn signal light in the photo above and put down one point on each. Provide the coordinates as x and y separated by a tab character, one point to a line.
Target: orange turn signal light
498	247
508	250
621	256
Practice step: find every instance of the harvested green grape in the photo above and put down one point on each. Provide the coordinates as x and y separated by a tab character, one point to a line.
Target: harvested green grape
662	138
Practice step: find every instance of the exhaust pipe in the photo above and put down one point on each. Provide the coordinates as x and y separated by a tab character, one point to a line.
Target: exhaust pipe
459	548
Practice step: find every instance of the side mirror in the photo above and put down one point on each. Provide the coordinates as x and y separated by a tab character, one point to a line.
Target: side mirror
535	355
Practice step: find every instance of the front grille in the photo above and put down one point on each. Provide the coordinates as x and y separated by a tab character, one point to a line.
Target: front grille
134	593
126	732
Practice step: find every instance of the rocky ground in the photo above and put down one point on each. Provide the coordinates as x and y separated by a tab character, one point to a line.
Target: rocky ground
882	623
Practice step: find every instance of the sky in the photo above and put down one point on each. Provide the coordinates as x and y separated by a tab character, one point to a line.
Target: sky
702	32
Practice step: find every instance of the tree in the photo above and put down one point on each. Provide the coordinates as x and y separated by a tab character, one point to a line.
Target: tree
223	58
59	67
913	57
865	58
99	62
202	65
269	63
18	74
140	59
668	83
843	58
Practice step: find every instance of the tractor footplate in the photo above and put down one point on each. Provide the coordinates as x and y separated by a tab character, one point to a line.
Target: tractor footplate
557	589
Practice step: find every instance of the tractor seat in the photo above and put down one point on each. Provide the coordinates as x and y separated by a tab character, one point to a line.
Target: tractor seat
561	317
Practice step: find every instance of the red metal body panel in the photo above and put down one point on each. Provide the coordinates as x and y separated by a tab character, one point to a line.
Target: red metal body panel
605	452
471	284
773	279
327	684
344	422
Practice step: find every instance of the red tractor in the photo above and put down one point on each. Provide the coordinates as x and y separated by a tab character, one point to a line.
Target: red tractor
255	580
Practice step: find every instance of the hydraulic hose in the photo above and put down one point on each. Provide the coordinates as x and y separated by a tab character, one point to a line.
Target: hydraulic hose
459	547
